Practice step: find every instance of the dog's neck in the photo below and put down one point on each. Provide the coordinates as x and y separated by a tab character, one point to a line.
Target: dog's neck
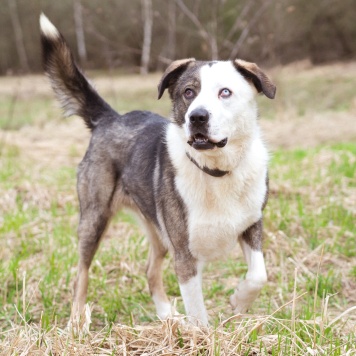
216	172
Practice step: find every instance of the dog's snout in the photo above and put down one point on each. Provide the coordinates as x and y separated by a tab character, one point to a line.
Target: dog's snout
199	117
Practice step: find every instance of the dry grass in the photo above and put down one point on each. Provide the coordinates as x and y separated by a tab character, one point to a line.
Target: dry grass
238	335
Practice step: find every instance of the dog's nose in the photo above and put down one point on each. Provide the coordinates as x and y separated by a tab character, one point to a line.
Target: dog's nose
199	117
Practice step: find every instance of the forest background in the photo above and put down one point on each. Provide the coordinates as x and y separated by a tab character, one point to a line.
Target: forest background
148	34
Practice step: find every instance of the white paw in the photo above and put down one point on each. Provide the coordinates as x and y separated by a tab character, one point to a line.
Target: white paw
239	306
165	311
186	321
198	322
245	294
79	324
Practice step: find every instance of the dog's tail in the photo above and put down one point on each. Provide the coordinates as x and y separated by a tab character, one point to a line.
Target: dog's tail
74	92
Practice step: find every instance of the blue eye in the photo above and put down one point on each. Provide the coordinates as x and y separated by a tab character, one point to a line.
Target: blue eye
225	93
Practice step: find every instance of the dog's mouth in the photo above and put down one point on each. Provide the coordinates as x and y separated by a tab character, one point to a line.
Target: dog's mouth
202	142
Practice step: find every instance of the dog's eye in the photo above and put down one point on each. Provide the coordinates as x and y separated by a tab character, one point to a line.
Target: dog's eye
225	93
189	93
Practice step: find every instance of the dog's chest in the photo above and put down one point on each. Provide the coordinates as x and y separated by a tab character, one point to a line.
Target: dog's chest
219	210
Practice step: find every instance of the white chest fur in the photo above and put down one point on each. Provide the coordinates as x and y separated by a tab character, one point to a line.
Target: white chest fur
219	209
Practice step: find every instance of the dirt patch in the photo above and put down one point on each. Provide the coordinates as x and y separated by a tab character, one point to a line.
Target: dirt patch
308	132
64	142
56	144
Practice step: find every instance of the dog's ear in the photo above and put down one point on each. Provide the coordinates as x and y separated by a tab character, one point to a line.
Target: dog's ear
174	70
259	79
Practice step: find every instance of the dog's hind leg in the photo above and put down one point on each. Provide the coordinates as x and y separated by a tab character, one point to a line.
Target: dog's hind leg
256	277
156	256
95	192
90	231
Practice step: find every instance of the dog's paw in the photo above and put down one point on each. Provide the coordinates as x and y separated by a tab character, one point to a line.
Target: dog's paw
186	321
79	324
245	294
239	306
165	310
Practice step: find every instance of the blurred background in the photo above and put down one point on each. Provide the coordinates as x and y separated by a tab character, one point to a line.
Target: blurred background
147	34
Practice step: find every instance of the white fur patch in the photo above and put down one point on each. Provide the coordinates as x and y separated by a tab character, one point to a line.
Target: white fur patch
220	209
193	299
164	310
248	289
47	27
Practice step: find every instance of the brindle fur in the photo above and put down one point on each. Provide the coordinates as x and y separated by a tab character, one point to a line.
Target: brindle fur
127	165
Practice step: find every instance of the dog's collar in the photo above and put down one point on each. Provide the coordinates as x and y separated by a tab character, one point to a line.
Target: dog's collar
216	172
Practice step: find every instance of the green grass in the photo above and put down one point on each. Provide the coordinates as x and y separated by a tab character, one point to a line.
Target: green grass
38	247
309	225
16	113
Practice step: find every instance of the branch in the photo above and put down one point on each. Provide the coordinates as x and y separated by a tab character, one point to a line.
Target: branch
194	19
238	20
210	38
246	30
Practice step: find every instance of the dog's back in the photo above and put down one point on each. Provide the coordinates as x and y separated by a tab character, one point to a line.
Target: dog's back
122	147
199	183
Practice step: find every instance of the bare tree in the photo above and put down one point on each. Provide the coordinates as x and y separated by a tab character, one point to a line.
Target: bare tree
246	30
16	24
147	35
210	38
238	21
273	31
79	30
171	38
168	51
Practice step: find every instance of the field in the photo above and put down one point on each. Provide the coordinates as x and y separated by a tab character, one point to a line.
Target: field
309	304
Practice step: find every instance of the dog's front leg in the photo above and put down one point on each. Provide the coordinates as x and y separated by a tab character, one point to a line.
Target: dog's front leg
248	289
189	272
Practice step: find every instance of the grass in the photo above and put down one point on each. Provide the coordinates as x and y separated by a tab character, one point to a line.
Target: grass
317	90
23	104
308	306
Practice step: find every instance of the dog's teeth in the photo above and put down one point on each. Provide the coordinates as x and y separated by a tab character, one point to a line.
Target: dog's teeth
200	139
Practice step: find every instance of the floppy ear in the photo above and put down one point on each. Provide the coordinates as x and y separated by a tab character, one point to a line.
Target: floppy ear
259	79
174	70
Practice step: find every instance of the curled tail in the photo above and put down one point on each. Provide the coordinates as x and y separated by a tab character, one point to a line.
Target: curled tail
74	92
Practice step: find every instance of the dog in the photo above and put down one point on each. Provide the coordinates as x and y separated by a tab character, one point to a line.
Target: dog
199	182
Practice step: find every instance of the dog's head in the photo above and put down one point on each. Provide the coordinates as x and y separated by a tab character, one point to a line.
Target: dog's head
214	101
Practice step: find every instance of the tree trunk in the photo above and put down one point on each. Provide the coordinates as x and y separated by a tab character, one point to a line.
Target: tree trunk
20	46
171	45
147	35
235	50
79	30
209	37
